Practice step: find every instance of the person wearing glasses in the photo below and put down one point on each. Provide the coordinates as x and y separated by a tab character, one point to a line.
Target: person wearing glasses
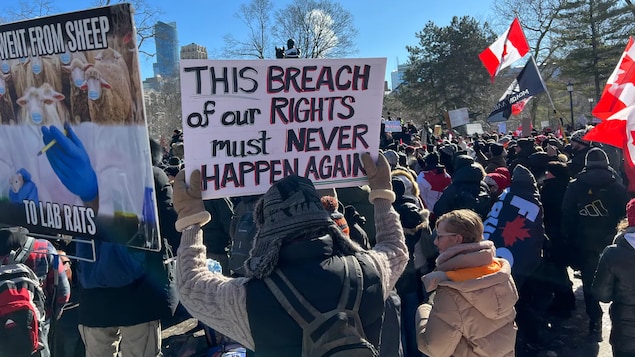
472	294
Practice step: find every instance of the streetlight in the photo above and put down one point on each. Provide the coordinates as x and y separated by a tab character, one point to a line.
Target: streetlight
570	90
591	105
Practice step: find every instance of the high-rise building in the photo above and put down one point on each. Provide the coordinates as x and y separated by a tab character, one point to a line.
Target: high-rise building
193	51
397	76
167	45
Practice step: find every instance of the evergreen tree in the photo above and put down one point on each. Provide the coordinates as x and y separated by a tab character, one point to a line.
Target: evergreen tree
445	71
593	36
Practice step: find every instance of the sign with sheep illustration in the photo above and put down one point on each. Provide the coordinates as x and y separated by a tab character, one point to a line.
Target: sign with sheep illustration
247	124
74	147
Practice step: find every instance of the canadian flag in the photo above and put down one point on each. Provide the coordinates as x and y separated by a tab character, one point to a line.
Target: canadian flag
507	49
619	91
616	109
619	131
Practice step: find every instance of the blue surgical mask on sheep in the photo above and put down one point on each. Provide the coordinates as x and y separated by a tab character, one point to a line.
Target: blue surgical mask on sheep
93	94
78	77
37	118
65	58
36	68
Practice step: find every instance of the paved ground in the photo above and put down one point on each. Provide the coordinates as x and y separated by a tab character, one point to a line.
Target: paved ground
569	338
566	338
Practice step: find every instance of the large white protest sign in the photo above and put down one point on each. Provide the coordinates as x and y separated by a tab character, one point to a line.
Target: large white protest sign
475	128
458	117
248	124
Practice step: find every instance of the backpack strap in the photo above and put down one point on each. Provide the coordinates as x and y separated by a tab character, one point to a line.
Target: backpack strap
283	282
353	285
23	253
280	282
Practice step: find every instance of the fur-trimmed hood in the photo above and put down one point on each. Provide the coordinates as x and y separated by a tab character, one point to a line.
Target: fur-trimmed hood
409	181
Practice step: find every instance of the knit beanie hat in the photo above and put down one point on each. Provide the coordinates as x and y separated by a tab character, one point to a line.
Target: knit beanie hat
596	158
505	172
392	157
498	181
287	211
630	212
558	169
331	205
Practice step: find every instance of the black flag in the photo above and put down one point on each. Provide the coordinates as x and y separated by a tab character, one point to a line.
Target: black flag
528	83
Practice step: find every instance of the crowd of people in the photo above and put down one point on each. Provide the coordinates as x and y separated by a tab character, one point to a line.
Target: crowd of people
445	252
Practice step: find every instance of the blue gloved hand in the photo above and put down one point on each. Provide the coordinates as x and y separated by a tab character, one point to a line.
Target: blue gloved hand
22	188
71	163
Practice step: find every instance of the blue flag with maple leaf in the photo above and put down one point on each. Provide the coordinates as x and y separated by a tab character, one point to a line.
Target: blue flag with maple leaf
515	226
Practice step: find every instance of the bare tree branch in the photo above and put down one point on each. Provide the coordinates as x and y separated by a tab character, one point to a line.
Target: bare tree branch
256	18
145	16
30	9
321	28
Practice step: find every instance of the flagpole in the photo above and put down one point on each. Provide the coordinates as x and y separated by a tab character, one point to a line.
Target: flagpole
543	83
553	106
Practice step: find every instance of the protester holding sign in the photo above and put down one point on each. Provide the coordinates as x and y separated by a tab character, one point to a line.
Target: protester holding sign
305	242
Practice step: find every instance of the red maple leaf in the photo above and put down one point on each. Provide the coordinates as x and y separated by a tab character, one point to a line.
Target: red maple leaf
633	137
514	231
625	75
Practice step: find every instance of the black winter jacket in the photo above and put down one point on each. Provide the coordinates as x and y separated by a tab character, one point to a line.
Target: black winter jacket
614	282
467	181
305	263
413	220
551	196
593	204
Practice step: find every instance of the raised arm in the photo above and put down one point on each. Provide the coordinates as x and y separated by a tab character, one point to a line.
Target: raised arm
216	300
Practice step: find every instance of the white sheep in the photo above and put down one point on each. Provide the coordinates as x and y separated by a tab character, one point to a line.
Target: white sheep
108	86
75	75
43	106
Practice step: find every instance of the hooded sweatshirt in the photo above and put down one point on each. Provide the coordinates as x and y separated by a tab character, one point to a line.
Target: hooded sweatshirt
515	224
473	312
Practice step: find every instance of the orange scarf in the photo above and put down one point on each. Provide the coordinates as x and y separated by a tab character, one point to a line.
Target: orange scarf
474	272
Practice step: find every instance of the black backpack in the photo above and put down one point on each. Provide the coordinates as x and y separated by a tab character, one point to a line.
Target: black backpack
335	333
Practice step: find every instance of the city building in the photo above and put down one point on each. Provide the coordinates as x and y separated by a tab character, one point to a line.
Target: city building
167	50
193	51
397	76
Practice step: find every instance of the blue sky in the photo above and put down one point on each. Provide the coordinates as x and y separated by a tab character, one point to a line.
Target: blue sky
385	28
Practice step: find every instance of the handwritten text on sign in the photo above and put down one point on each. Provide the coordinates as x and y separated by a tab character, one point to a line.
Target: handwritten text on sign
248	124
